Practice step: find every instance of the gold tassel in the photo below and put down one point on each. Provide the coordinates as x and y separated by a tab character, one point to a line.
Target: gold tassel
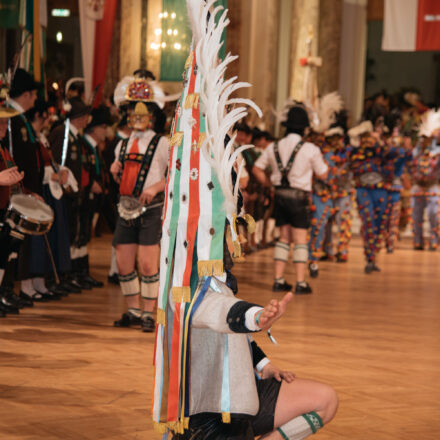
186	422
176	139
250	222
237	249
202	137
181	294
161	317
189	60
192	101
160	428
209	268
226	417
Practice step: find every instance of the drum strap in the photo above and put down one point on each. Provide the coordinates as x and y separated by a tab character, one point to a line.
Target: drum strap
285	170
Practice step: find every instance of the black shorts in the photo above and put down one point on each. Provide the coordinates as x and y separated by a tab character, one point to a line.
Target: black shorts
292	207
210	426
268	390
144	230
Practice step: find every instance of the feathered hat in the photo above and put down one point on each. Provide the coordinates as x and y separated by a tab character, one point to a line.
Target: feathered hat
356	132
5	111
328	106
430	123
199	197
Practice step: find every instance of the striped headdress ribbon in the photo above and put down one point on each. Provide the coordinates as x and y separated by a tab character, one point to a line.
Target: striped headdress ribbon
199	196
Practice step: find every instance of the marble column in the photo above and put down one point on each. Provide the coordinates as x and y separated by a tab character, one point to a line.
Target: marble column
253	35
131	13
330	25
305	15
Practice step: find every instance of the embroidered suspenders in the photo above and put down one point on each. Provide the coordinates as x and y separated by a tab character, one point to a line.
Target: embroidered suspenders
285	170
146	159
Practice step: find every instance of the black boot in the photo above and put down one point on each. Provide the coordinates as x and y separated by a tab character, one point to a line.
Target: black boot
85	273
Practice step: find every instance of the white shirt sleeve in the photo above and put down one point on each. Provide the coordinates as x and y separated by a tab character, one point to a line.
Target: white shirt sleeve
264	160
319	165
118	150
159	163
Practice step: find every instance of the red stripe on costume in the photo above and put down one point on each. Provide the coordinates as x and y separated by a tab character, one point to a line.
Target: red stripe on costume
174	384
194	202
428	25
130	173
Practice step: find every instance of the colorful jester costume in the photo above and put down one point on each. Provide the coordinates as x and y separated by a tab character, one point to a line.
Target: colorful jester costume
367	163
201	364
425	192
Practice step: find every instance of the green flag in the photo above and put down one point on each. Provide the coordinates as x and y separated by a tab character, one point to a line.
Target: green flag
176	39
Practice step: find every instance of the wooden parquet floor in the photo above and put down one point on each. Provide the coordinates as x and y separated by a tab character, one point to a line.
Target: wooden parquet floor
66	373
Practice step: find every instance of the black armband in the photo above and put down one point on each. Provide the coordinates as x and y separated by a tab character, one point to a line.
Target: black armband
237	316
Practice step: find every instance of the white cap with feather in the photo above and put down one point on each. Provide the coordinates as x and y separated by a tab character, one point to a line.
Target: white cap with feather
356	132
430	123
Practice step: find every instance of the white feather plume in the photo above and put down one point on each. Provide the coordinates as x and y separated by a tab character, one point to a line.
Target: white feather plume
328	106
430	123
119	95
215	94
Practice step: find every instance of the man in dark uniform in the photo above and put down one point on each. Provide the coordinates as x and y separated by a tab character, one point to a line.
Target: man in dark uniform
9	176
69	149
25	149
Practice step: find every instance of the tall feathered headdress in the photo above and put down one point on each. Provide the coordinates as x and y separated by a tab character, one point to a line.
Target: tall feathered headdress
199	196
430	123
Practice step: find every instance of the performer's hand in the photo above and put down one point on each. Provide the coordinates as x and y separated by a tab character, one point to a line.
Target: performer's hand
55	177
63	176
96	188
147	196
115	169
270	371
273	311
10	176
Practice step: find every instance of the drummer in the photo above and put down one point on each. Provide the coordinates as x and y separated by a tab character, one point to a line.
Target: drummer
140	167
27	154
9	176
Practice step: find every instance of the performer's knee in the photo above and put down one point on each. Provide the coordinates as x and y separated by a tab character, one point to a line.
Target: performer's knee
300	253
150	286
281	252
129	284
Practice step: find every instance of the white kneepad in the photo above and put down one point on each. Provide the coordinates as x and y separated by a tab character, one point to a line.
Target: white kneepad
300	253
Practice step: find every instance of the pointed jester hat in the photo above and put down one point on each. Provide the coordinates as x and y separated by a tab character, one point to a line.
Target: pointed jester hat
199	197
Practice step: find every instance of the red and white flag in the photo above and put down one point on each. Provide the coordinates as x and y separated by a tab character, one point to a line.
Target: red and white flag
411	25
96	23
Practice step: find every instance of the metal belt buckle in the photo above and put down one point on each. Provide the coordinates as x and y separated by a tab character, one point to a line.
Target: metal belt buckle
129	208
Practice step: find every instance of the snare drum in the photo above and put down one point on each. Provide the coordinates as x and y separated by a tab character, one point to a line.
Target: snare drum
29	215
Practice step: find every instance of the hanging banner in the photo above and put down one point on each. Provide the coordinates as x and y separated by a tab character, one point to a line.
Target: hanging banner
411	25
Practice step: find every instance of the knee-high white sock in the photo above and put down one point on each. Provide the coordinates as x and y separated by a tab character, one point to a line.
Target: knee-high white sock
39	285
129	284
301	427
27	287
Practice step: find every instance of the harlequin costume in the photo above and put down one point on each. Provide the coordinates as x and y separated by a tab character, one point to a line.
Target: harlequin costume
367	164
425	193
394	170
204	383
322	201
